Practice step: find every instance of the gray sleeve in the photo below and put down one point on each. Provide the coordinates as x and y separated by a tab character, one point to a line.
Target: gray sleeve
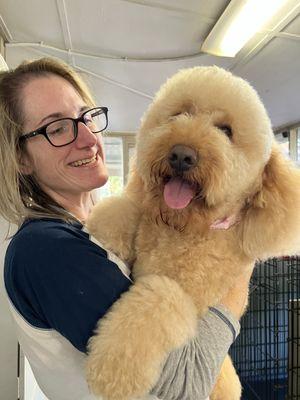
190	372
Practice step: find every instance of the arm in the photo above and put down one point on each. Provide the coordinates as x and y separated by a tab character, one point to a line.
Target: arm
133	343
191	371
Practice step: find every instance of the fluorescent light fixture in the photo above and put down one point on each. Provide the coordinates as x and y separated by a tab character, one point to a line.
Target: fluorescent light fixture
239	22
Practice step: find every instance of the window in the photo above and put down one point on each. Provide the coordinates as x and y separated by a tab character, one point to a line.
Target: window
283	140
119	149
289	141
114	160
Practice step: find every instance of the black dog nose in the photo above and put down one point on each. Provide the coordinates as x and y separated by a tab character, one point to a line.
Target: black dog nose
182	158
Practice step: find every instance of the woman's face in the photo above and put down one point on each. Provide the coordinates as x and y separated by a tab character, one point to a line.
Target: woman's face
46	99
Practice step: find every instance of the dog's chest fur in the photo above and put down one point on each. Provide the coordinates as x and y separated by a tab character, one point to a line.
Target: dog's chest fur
204	265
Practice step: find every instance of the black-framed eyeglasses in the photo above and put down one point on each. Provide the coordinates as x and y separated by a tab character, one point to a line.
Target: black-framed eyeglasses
64	131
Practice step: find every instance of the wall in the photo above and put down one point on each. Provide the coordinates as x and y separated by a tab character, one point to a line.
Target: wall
8	341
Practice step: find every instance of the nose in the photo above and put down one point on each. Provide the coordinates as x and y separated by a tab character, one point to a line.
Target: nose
182	158
85	137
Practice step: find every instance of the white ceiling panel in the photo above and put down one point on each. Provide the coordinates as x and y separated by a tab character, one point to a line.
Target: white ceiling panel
274	72
134	30
123	116
15	55
144	76
206	9
32	20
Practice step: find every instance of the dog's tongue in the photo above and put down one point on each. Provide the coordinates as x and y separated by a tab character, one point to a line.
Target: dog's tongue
178	193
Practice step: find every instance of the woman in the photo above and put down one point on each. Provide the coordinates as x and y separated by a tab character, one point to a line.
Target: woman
59	282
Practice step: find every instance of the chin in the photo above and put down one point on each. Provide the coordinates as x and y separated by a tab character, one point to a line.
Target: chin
101	181
104	180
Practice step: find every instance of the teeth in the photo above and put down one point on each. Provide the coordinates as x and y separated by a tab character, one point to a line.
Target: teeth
83	162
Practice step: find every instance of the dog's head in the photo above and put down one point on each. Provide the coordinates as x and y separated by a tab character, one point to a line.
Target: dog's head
206	149
203	141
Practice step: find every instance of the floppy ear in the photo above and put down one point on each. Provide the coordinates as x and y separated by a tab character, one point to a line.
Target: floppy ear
271	224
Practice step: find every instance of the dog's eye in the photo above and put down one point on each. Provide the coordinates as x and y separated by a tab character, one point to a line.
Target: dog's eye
175	114
185	110
226	129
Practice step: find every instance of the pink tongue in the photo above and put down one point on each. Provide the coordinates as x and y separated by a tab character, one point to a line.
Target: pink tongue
178	193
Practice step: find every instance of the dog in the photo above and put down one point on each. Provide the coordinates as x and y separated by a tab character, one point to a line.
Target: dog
209	194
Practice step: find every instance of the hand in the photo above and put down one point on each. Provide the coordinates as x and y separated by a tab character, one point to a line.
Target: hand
236	299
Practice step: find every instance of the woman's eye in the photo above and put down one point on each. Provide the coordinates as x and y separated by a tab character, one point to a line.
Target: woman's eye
226	129
57	128
56	131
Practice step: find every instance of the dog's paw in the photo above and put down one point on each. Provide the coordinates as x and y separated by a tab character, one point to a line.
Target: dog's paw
119	378
132	342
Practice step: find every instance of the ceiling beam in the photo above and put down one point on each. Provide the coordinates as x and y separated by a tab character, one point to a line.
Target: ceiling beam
64	23
287	35
4	31
106	56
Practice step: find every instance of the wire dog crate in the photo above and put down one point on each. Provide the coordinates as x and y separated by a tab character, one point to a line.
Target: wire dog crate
267	352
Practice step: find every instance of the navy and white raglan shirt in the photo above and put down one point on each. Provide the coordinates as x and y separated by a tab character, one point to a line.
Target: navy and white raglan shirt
60	281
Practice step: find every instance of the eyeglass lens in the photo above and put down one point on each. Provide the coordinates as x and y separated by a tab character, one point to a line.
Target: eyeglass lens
63	132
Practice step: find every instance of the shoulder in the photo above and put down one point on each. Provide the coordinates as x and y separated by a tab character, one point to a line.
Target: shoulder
48	239
43	247
48	259
48	227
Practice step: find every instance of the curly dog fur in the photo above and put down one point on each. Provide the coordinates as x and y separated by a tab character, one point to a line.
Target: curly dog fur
181	264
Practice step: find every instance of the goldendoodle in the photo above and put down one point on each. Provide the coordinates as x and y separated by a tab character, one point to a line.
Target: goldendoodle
208	194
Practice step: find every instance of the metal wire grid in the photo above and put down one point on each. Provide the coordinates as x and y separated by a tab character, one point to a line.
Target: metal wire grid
267	351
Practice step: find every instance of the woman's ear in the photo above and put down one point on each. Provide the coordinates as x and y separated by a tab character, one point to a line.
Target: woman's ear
270	226
26	167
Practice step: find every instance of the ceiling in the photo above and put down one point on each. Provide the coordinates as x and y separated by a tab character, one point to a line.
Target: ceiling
126	49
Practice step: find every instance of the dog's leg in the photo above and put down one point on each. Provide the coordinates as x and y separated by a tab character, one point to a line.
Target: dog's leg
134	339
113	222
228	386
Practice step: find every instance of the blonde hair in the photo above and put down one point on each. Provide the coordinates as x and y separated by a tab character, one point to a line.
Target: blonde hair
21	197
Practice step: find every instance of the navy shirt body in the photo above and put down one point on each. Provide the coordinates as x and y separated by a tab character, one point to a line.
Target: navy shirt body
57	278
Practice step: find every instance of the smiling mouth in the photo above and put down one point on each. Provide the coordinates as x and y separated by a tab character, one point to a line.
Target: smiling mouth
85	161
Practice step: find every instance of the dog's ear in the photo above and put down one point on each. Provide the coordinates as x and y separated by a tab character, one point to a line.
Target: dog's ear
270	226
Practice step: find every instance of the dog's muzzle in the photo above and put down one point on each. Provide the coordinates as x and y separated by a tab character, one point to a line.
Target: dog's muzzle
182	158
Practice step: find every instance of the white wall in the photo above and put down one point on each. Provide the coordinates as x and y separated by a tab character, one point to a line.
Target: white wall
31	388
8	341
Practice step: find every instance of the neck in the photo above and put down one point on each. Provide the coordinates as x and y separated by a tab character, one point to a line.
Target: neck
79	205
80	211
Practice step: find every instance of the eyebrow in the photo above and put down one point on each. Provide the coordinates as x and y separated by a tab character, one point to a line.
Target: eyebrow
59	115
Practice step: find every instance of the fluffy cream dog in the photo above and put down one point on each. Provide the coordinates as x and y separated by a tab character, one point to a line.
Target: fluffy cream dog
205	153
